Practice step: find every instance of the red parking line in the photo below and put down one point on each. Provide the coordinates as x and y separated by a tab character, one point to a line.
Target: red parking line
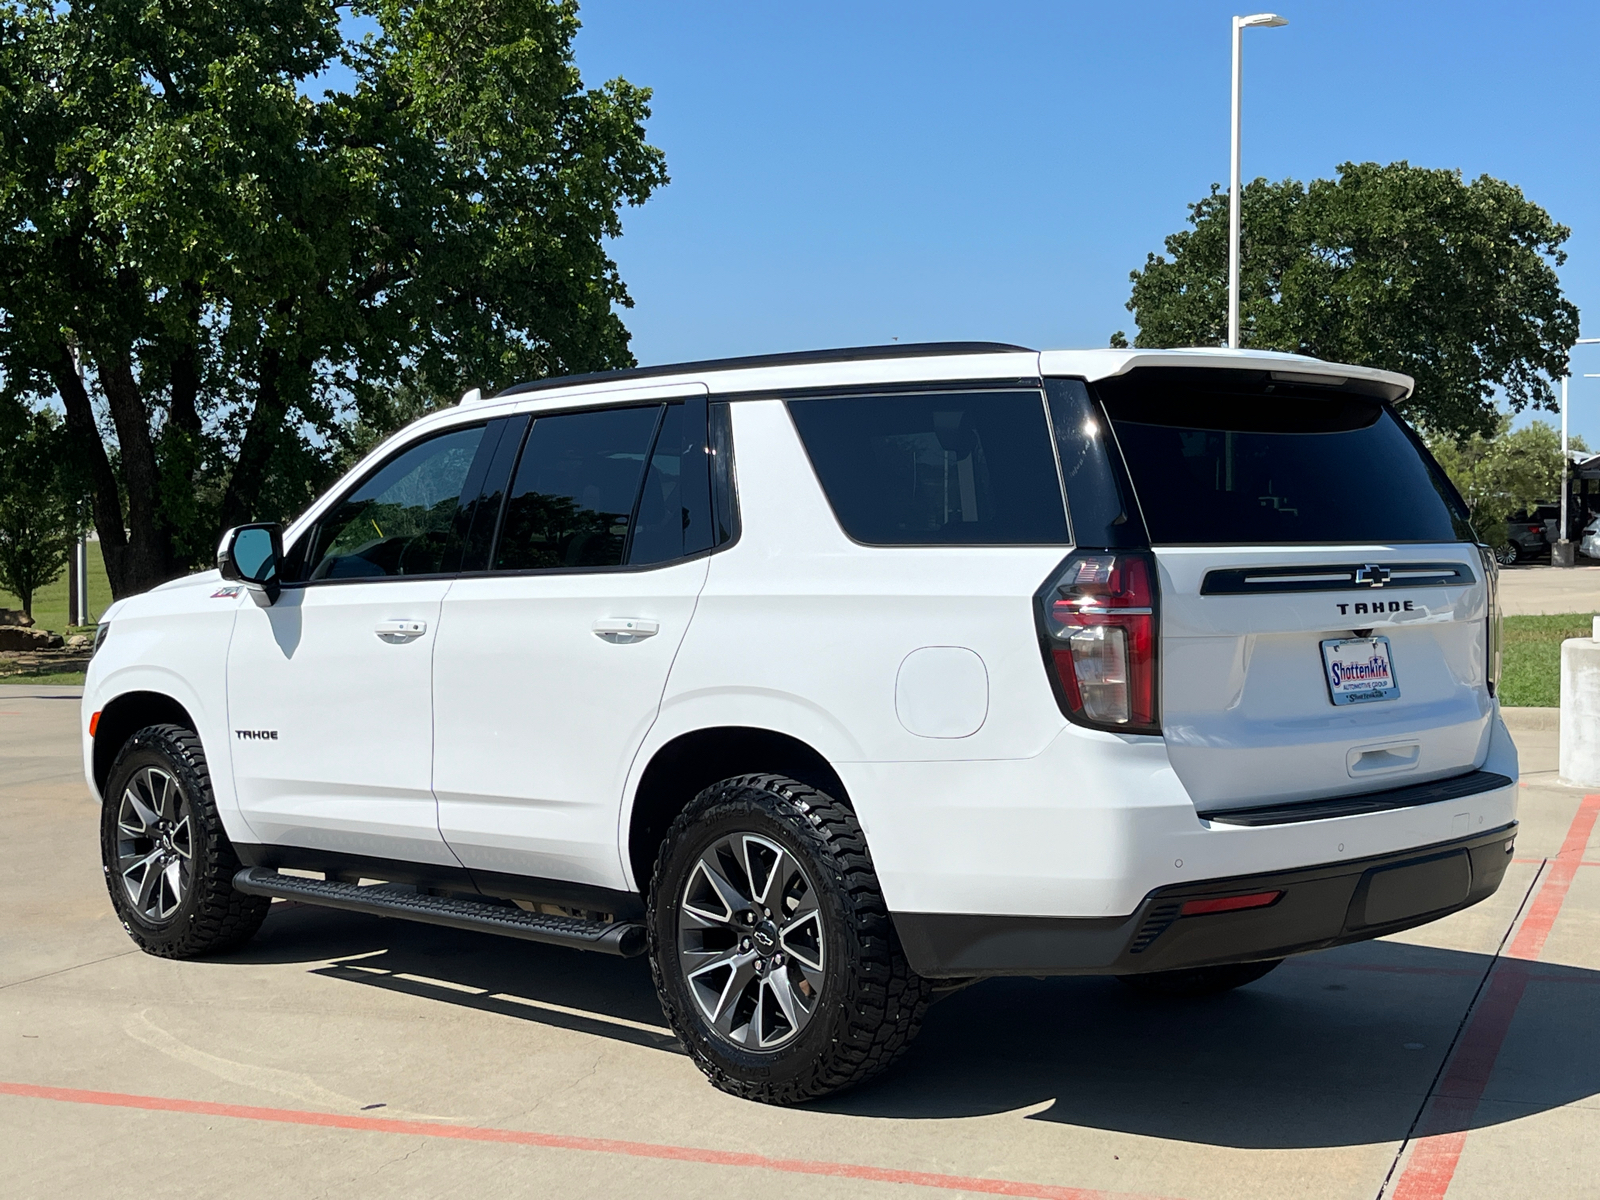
1433	1161
554	1141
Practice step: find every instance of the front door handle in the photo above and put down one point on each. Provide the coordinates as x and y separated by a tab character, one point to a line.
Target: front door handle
399	632
625	629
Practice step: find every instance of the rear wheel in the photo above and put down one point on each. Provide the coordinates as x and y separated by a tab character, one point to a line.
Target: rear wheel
168	864
773	954
1507	555
1199	981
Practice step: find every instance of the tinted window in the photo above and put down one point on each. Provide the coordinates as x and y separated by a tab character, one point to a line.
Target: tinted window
485	497
1100	512
401	520
963	468
1213	467
724	495
573	495
674	517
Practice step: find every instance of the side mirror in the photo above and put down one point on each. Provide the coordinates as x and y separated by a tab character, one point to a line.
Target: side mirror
250	554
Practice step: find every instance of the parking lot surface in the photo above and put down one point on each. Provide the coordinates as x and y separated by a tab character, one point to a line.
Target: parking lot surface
340	1052
1536	589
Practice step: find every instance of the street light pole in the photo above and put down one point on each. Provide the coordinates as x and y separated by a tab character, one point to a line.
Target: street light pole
1240	24
1561	553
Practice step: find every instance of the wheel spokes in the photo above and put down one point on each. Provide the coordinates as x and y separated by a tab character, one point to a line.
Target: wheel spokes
171	893
719	985
751	941
764	863
155	843
801	939
134	807
183	839
140	879
708	890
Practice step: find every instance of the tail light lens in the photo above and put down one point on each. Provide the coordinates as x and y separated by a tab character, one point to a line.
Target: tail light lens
1496	630
1097	620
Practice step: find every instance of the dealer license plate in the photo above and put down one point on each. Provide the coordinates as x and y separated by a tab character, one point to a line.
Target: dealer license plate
1359	669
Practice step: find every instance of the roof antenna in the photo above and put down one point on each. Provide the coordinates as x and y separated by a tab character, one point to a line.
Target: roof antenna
471	396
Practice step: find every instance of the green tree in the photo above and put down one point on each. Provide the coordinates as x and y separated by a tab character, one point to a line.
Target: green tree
222	276
1510	471
1391	266
38	506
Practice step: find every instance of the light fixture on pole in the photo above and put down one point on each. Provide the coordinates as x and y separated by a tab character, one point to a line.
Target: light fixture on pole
1561	553
1240	24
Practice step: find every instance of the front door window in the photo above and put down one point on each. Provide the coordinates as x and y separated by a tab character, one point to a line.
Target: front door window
402	519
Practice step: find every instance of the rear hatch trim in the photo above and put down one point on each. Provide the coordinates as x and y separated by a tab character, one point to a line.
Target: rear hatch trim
1261	581
1455	788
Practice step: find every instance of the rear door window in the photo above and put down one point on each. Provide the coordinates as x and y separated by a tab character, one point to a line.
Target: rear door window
967	468
610	487
573	496
1215	467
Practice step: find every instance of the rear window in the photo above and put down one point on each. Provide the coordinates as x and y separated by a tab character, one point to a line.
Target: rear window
1216	467
937	469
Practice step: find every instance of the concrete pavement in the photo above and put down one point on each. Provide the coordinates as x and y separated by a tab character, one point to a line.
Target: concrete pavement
341	1053
1535	588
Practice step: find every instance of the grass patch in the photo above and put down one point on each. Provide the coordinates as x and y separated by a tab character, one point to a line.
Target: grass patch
50	603
1530	673
35	678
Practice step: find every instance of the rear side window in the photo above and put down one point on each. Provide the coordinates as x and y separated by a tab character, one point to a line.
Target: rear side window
1240	468
674	517
575	488
937	469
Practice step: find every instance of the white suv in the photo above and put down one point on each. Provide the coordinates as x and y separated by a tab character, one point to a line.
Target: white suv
981	661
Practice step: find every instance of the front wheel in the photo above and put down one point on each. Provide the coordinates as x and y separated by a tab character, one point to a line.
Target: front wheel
773	953
168	864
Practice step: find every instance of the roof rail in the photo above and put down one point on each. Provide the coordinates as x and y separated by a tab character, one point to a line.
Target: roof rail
793	358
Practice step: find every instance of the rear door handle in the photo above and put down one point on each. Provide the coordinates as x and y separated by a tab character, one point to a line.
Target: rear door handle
625	629
401	631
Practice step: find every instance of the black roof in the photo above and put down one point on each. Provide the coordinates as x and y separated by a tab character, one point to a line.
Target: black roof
794	358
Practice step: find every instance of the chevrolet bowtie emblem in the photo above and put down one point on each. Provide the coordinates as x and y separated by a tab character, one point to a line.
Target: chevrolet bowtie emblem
1372	575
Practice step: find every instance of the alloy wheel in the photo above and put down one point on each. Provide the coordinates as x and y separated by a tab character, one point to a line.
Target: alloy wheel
155	844
750	941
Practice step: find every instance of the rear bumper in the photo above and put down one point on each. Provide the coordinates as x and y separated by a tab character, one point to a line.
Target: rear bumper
1320	906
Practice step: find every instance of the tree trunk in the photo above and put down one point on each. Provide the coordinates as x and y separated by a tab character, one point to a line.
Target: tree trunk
90	451
181	408
149	558
260	439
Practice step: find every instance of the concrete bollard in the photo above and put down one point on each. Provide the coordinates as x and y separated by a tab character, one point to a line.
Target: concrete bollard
1580	710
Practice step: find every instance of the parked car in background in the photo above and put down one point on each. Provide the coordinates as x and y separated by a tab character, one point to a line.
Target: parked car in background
1589	542
1530	532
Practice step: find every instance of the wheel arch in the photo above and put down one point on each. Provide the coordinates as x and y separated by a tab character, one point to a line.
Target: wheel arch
682	768
124	716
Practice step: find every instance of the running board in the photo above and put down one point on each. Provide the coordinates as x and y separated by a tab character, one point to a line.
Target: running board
623	938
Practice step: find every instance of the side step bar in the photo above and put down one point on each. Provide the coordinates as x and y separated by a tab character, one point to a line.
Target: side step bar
623	938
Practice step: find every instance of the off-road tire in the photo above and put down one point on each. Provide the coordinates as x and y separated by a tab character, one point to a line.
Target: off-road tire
871	1003
211	917
1199	981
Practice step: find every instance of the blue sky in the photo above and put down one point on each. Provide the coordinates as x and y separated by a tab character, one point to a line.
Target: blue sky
852	173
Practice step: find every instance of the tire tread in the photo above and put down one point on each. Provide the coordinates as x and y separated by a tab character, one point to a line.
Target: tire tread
219	918
889	1001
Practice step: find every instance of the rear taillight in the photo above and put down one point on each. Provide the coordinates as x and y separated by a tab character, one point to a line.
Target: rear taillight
1097	618
1496	629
